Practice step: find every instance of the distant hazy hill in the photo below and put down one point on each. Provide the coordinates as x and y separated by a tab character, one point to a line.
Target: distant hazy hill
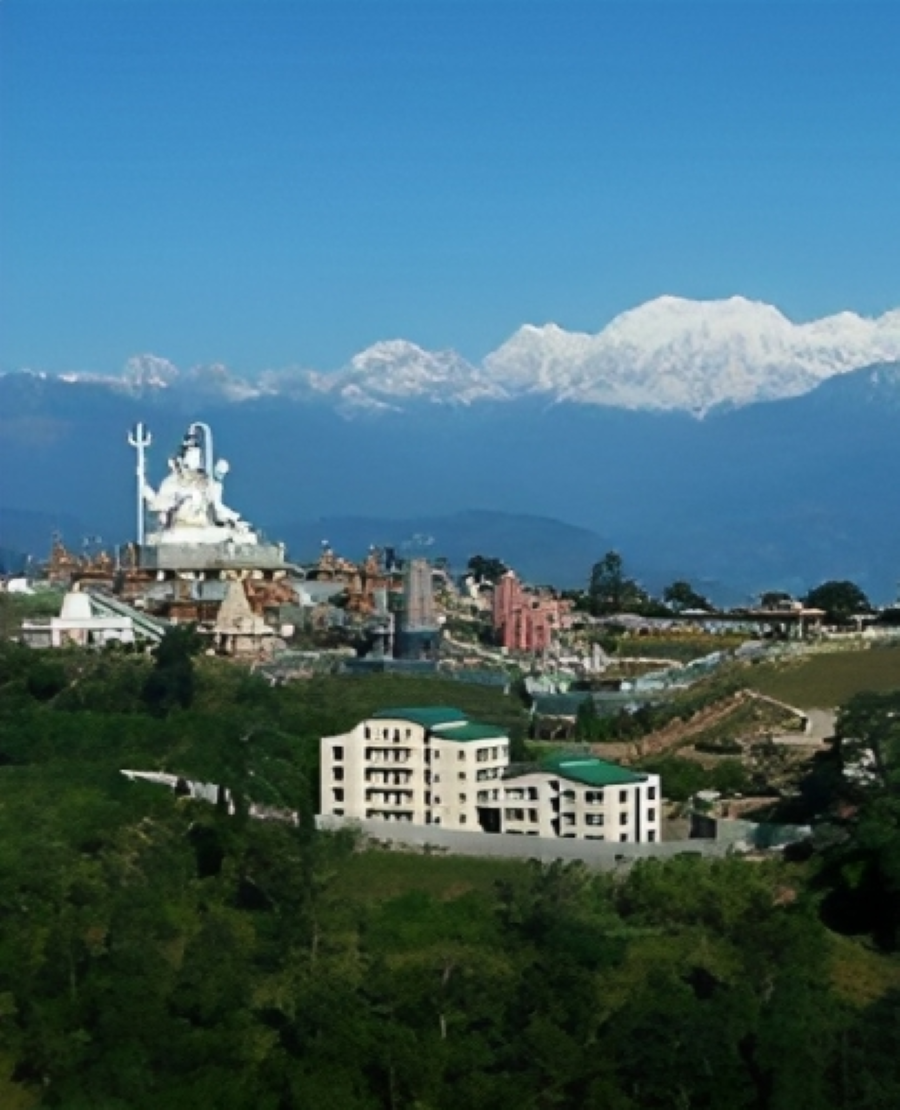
541	549
782	493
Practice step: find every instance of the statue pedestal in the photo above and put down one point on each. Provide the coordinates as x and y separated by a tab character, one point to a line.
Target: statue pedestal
211	556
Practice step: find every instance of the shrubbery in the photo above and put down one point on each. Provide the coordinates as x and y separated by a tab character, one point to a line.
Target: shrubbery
157	952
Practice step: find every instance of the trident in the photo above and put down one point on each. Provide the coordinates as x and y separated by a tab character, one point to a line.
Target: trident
140	439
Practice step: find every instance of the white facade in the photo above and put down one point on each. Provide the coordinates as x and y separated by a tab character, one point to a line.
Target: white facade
431	766
412	766
78	624
584	799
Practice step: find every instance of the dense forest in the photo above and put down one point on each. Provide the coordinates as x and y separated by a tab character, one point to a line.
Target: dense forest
162	952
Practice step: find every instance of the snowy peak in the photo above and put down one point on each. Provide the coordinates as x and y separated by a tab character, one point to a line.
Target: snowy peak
673	353
663	320
148	372
668	354
394	371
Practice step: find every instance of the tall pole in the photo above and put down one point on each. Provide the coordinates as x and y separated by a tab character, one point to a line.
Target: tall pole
140	439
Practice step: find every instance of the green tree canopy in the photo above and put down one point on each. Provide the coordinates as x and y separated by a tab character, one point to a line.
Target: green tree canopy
610	590
487	568
861	865
773	599
682	595
171	682
841	600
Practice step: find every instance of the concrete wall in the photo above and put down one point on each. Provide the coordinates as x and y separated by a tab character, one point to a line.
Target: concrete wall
598	854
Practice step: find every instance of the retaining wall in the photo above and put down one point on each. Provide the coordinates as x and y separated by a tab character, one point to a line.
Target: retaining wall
602	855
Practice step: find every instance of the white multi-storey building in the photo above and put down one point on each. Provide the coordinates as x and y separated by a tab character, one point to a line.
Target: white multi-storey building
430	765
581	797
423	765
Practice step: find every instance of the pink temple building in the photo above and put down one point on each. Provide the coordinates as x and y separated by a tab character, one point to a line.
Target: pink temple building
523	621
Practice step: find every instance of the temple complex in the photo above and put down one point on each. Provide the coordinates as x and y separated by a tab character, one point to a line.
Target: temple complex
195	559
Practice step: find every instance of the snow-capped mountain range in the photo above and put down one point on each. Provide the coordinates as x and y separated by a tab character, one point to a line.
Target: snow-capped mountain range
670	354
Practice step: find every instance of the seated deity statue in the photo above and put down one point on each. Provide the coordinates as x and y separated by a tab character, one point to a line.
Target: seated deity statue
189	503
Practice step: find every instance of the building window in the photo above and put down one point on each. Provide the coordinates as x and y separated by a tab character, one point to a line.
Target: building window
533	815
623	797
623	837
651	792
651	835
409	733
437	754
337	773
462	797
338	812
460	755
594	819
623	818
462	818
338	793
337	752
461	776
651	814
367	733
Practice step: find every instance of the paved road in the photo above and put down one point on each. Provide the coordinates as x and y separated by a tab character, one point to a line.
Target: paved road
821	729
822	723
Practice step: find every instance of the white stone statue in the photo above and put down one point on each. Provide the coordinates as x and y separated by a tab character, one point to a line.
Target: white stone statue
189	504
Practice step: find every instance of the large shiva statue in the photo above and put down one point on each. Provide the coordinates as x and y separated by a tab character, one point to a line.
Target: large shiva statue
188	504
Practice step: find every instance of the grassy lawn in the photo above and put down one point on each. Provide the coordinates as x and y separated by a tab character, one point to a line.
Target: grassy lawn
679	649
859	974
829	680
374	875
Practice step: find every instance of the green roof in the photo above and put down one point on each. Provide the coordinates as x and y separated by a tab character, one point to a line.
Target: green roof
590	771
429	716
444	721
471	730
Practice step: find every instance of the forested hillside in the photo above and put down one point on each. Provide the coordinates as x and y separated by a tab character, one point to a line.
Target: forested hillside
159	952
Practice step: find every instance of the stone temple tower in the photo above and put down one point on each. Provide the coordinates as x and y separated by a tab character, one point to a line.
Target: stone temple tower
419	634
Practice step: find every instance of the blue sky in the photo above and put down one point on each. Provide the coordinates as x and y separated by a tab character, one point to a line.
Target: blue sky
270	183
